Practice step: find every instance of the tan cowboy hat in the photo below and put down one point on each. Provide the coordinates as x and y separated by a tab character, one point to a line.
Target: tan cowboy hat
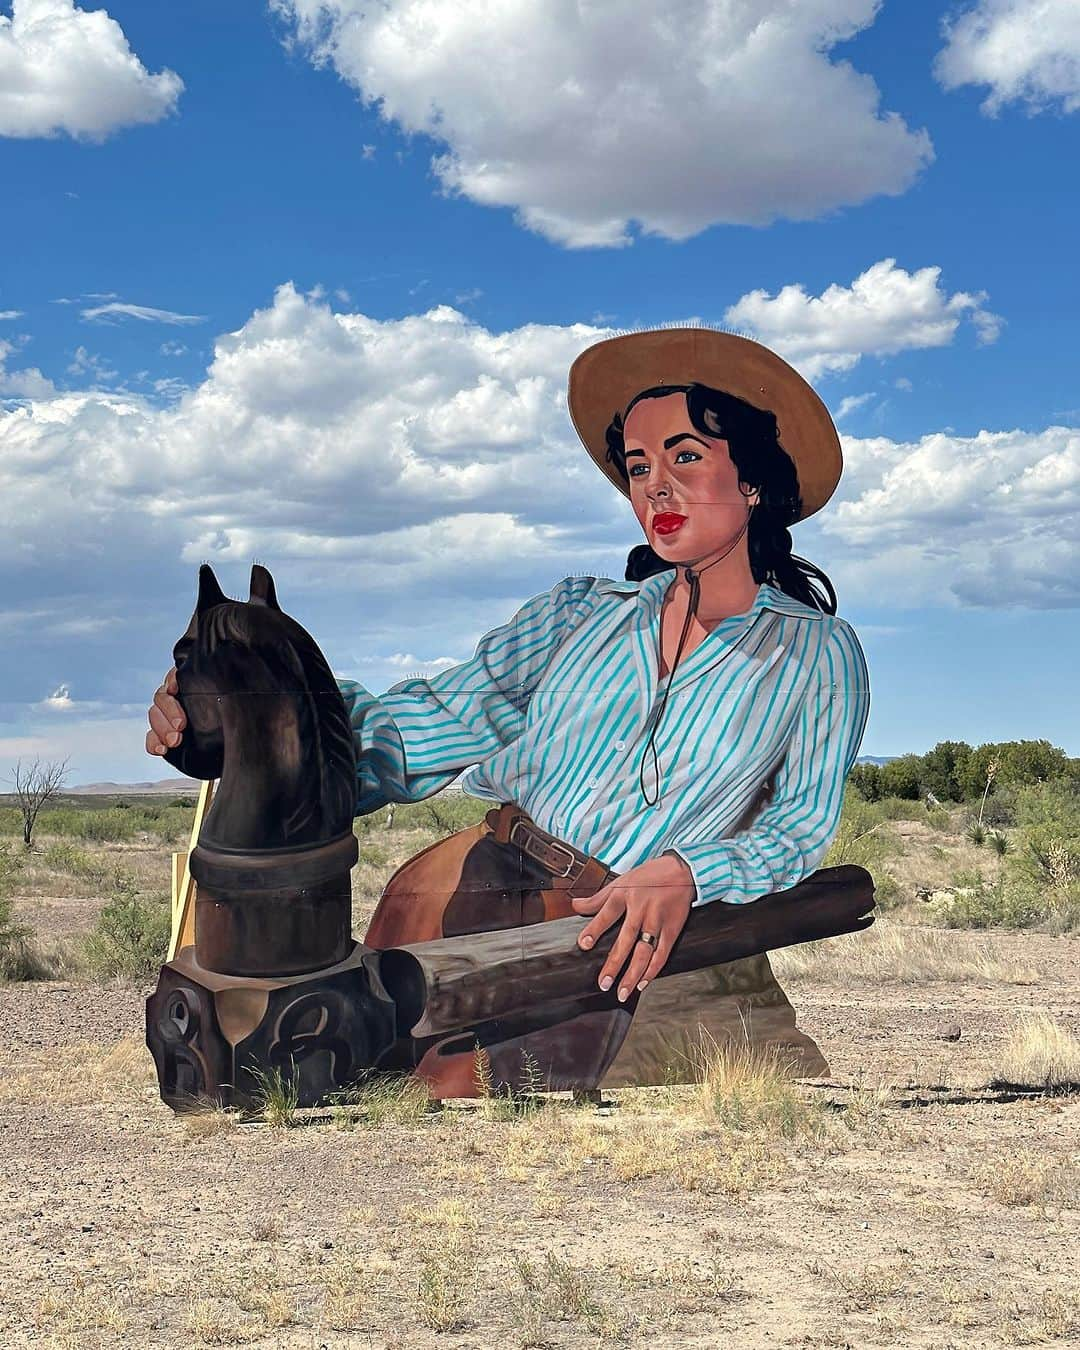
606	376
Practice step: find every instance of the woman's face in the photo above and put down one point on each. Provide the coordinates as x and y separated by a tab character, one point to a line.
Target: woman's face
684	487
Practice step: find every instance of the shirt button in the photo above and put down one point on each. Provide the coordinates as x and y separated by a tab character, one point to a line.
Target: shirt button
620	745
594	782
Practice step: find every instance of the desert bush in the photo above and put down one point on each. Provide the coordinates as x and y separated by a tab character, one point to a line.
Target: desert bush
1040	1053
130	937
973	901
939	819
900	808
63	856
454	811
20	958
861	837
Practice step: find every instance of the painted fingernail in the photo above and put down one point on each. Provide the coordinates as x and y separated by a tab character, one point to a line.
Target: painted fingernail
642	985
623	993
606	983
177	723
587	941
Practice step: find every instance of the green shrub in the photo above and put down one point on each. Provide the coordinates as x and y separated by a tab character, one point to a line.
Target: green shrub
1006	902
64	856
19	958
861	837
939	819
373	855
900	808
130	938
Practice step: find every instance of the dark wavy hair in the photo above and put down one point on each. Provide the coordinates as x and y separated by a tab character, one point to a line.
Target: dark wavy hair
753	442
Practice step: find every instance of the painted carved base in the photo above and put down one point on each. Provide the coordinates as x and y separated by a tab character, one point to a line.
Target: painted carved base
208	1031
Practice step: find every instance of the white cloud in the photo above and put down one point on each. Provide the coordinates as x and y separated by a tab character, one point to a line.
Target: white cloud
588	118
64	69
172	349
409	482
59	700
1026	51
987	520
851	404
11	313
885	310
119	309
90	364
27	383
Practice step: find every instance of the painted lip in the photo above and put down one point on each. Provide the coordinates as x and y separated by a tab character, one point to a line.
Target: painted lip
668	522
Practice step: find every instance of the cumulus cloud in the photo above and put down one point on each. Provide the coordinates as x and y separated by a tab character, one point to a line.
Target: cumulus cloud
64	69
115	310
987	520
11	313
1026	51
26	383
587	119
885	310
409	482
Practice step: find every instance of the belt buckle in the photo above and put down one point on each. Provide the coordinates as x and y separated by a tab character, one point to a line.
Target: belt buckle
540	848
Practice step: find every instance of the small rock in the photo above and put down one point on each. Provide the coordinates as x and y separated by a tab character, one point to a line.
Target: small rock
948	1031
986	1254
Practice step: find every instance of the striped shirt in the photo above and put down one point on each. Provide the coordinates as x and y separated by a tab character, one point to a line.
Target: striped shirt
554	712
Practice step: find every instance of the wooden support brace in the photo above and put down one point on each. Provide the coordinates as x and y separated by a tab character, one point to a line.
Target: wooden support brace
183	884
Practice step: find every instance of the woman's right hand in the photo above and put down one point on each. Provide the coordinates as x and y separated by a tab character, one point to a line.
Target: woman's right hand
167	720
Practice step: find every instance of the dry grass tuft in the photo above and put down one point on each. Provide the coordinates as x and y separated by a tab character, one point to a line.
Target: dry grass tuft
84	1075
1028	1178
903	953
1040	1053
552	1289
81	1308
392	1100
208	1120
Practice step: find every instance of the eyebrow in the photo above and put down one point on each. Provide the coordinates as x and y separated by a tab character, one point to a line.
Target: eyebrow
671	442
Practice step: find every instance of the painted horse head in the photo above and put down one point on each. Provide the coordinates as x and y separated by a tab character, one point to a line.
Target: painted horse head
265	715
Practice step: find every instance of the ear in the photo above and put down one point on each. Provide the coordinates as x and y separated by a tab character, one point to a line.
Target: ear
261	590
210	593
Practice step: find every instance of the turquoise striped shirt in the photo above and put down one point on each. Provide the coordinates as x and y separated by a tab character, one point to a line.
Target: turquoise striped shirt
555	708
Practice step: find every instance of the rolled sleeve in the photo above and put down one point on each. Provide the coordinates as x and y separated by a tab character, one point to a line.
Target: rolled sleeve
791	836
418	736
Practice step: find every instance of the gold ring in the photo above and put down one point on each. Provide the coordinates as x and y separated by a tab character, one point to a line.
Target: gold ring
649	939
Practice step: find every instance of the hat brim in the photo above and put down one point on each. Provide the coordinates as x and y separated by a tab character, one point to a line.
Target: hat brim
607	375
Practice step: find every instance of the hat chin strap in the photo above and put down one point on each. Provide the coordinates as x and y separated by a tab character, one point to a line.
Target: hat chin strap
693	576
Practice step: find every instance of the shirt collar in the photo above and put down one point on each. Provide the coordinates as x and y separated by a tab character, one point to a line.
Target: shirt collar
653	588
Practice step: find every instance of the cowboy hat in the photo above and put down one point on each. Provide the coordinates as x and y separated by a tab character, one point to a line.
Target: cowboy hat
607	375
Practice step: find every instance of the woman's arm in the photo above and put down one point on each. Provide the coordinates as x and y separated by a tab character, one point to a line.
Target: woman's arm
422	733
791	836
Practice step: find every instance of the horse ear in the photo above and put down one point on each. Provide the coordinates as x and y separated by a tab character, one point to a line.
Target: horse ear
262	588
210	593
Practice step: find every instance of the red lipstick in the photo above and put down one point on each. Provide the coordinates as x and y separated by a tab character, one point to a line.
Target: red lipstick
667	522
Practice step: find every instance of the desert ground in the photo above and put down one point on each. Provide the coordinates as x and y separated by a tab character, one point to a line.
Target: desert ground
904	1200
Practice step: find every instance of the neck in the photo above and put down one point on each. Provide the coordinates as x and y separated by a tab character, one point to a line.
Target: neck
263	800
726	583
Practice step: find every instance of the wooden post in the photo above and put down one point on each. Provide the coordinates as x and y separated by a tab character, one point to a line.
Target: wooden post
183	885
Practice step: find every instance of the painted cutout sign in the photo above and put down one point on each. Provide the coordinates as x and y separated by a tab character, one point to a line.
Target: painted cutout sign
665	756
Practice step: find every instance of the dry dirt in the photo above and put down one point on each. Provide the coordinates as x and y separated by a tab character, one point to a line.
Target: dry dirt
930	1214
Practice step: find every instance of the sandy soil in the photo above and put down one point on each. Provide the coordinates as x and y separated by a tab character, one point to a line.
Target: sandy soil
932	1214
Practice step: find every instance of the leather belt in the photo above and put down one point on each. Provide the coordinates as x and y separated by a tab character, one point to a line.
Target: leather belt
570	869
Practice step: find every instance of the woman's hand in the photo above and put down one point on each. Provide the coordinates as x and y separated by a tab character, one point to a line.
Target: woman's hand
655	898
166	716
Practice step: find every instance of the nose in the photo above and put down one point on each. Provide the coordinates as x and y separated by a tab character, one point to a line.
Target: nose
659	488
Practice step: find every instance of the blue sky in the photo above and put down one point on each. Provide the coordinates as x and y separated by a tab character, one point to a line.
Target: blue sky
301	282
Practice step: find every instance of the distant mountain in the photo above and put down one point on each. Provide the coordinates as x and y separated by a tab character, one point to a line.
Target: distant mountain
176	785
180	785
